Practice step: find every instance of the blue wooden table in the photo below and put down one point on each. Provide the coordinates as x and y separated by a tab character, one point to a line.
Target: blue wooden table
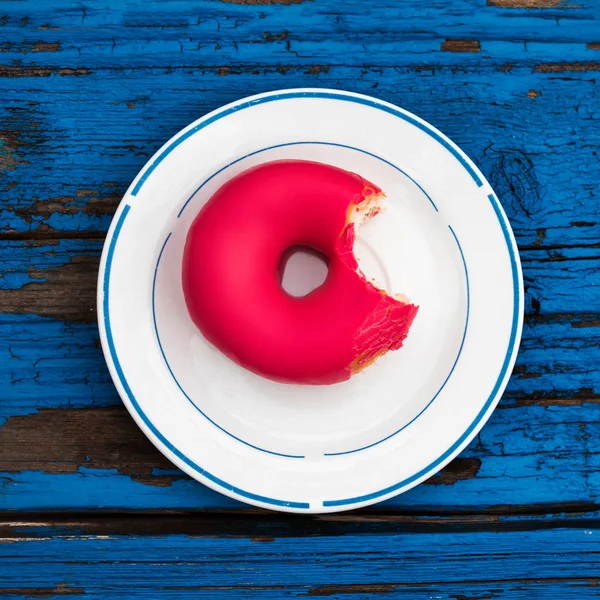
88	91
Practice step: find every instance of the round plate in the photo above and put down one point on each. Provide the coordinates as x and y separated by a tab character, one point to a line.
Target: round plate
444	240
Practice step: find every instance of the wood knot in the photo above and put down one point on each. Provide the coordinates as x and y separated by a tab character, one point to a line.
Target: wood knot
512	175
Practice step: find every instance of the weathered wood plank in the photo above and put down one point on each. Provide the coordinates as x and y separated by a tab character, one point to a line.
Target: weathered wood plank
96	457
66	441
169	33
51	364
48	561
57	279
563	588
60	172
521	105
263	525
213	28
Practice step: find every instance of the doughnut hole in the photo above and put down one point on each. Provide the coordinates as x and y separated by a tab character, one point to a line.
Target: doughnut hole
302	269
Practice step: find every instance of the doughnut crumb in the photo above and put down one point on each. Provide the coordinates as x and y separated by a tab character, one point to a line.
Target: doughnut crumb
386	327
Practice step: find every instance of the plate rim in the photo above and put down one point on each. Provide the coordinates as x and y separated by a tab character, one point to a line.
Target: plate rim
178	457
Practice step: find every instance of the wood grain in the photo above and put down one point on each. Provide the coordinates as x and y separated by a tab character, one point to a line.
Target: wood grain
63	442
261	525
547	562
529	4
492	115
57	278
461	46
483	100
67	292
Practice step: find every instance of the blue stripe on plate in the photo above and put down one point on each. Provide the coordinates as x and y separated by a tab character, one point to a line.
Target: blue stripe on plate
162	439
494	393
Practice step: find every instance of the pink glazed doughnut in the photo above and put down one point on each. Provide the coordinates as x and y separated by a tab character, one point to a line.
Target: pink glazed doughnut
232	283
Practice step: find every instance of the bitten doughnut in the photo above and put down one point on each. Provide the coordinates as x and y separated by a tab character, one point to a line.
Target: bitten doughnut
232	283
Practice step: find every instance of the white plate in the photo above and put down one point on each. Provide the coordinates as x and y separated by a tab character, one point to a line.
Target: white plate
444	241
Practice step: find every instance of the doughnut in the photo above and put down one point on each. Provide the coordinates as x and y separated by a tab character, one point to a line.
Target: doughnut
232	281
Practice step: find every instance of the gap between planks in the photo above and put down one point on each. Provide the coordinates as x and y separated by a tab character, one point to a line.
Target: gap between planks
264	526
